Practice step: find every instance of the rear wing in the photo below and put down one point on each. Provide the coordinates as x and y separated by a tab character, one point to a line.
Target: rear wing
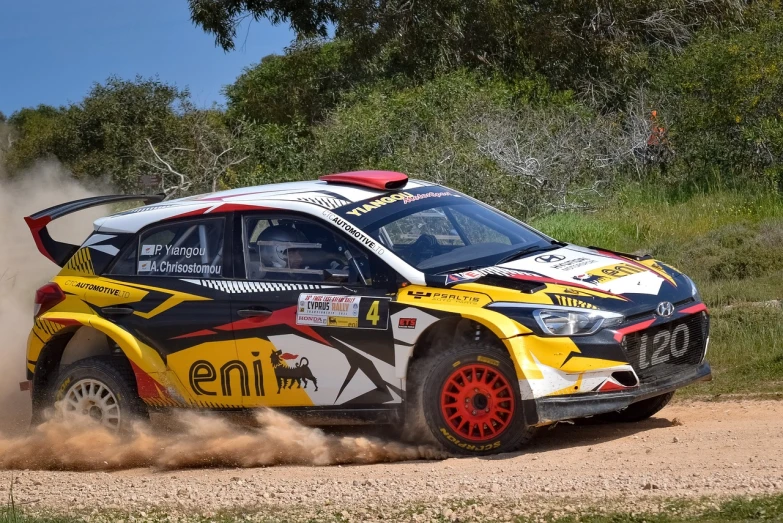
60	252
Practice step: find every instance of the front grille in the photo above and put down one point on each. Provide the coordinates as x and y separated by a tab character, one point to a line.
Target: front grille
665	350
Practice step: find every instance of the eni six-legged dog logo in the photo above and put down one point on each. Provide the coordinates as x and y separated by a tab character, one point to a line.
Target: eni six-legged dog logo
287	375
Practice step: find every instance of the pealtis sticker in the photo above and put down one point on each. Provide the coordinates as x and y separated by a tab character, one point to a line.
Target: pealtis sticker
327	310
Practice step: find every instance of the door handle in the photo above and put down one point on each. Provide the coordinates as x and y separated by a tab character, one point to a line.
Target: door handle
117	311
255	312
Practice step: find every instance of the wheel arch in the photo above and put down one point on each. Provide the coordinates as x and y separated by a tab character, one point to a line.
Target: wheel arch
63	349
445	331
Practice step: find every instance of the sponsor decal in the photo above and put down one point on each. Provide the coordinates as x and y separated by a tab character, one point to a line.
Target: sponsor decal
202	373
431	194
573	264
495	271
608	273
407	323
337	321
404	197
355	232
549	258
469	446
165	267
98	288
355	312
380	202
445	297
489	361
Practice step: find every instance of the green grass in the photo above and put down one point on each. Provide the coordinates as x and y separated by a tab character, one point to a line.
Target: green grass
731	244
746	352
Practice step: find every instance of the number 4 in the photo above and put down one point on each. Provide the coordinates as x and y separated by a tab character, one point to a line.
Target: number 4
372	314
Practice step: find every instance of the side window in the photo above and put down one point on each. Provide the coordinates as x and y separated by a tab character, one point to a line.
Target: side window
291	249
185	249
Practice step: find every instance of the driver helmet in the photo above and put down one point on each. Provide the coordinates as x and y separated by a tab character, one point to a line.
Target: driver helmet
280	238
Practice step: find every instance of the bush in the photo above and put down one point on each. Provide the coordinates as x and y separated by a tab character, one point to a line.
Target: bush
722	100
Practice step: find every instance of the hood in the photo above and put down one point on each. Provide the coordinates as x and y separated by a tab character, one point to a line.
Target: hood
587	277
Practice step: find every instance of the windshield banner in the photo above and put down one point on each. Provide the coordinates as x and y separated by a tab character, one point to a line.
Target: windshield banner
368	212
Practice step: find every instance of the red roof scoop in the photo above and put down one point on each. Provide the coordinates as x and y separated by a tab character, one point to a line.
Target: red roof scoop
373	179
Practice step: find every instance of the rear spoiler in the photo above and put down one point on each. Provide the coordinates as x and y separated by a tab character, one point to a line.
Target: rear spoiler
60	252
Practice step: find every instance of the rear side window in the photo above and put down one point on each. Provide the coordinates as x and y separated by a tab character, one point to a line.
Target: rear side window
185	249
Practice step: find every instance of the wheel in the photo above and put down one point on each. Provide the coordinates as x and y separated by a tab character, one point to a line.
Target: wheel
103	388
470	400
638	411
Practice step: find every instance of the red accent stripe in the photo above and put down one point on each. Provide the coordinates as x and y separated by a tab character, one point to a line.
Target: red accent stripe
382	180
35	228
146	386
610	385
205	332
197	212
64	321
694	309
231	207
618	336
285	316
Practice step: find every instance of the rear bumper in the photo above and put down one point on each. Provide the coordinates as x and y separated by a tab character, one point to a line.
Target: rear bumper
558	408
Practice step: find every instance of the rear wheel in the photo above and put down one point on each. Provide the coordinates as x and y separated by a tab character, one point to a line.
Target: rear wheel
471	403
639	411
102	388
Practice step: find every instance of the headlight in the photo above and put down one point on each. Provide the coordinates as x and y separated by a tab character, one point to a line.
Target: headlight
558	320
694	290
574	323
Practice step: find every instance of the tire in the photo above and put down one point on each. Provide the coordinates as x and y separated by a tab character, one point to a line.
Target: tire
104	388
638	411
450	407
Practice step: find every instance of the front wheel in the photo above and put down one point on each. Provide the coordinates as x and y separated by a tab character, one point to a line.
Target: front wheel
102	388
471	403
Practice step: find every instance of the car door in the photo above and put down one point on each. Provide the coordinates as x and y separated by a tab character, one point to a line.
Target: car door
306	317
174	271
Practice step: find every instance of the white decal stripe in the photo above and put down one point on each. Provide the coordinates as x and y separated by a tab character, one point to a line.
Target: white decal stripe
98	238
111	250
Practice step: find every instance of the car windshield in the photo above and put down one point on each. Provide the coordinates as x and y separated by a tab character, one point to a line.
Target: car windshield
438	230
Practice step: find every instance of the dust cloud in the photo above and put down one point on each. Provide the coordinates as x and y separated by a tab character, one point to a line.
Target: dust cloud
23	269
198	440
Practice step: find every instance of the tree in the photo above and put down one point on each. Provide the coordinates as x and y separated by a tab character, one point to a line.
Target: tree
99	136
570	41
222	17
299	86
204	153
721	100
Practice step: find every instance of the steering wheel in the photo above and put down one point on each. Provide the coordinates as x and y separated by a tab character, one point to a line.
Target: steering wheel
425	246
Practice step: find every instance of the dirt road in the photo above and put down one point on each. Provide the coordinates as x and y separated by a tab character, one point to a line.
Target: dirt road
692	449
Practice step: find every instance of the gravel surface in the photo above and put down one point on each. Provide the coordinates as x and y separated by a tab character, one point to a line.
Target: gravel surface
690	449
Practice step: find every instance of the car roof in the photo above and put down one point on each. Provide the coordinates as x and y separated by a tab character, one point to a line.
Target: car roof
310	197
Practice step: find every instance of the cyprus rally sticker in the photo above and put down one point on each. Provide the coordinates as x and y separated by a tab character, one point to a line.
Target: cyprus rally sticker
327	310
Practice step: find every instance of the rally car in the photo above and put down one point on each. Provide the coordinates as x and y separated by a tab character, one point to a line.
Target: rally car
364	297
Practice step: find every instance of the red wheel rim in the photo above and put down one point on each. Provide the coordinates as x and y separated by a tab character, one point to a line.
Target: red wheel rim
477	402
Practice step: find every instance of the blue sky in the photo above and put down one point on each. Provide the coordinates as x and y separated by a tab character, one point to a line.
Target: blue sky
54	50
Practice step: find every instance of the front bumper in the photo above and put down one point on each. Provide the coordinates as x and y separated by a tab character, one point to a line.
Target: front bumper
559	408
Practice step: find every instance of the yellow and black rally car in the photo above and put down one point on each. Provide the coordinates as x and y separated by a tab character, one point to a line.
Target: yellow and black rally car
364	297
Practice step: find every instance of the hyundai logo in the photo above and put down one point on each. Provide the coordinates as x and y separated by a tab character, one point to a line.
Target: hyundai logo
549	258
665	309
